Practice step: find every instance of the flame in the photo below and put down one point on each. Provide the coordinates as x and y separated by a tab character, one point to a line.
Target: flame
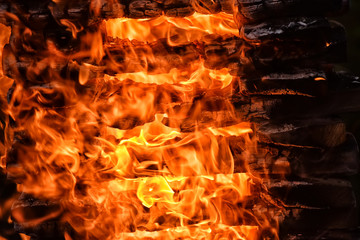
134	155
153	190
198	75
176	30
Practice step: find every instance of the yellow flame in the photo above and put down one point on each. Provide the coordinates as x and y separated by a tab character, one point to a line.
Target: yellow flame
155	189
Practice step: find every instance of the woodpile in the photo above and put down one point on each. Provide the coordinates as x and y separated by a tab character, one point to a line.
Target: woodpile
286	86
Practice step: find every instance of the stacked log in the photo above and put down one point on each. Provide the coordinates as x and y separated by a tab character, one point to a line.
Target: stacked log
286	86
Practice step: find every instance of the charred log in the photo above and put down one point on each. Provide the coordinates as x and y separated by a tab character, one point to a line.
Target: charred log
255	11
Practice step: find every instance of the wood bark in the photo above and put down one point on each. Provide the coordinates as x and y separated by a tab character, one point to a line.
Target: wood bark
307	162
259	10
36	13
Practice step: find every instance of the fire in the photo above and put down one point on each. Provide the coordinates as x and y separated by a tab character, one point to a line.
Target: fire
154	190
176	30
134	154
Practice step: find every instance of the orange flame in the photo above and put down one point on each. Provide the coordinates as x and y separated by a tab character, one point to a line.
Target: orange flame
176	30
135	155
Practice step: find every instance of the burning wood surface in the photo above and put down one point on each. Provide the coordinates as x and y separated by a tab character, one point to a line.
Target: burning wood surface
172	119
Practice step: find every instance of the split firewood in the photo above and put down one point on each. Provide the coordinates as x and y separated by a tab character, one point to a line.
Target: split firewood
305	161
325	193
309	132
84	12
287	27
299	81
259	10
323	223
335	234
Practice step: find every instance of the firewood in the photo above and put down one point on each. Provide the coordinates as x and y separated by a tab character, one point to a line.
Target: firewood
336	234
301	81
305	161
325	193
323	218
304	48
83	13
259	10
217	52
286	27
313	222
310	132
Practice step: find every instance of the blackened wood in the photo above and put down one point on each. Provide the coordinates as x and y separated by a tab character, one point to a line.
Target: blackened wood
259	10
27	210
309	132
313	223
316	193
328	46
344	234
333	103
299	81
307	162
286	27
37	15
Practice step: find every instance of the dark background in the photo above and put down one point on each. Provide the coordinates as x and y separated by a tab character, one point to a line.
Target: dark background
351	22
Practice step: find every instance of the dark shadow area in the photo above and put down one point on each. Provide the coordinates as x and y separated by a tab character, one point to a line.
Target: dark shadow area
351	22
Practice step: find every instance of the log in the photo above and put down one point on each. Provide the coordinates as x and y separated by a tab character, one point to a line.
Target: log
325	193
217	52
215	103
36	15
271	158
345	234
299	81
286	27
312	223
39	218
40	15
307	48
296	213
307	162
310	132
260	10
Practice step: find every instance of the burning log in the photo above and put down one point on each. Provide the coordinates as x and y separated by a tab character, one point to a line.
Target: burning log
217	52
81	12
298	208
147	135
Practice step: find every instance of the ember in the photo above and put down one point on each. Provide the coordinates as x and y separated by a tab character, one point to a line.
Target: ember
173	119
